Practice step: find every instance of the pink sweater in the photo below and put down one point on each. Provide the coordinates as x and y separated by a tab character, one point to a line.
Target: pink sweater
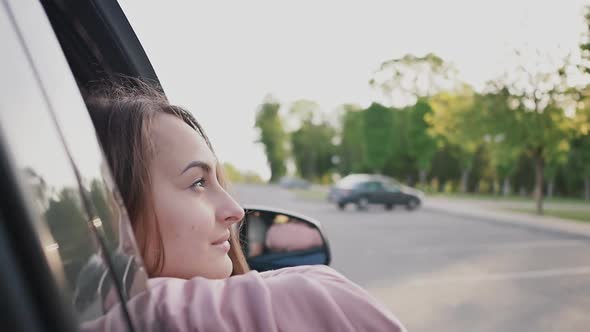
305	298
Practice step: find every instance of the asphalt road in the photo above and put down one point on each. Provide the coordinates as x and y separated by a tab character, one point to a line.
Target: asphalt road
444	272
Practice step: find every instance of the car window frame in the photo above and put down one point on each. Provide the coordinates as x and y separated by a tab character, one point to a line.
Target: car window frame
26	210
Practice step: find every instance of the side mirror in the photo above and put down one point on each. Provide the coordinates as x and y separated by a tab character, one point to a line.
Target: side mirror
273	239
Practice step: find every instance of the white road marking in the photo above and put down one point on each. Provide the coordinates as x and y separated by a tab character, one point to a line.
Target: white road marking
534	274
493	247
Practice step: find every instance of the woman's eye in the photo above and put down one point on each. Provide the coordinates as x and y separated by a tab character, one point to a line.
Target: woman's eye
200	183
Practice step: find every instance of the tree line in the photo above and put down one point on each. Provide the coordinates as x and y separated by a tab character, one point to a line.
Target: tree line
526	132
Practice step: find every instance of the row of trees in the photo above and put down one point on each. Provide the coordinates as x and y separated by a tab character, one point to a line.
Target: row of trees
529	129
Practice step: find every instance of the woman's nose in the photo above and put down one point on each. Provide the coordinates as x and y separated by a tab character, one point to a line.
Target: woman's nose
228	210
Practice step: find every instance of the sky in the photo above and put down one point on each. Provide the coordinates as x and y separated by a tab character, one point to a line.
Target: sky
221	58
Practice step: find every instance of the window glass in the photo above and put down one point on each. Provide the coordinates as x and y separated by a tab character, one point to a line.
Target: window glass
104	206
64	227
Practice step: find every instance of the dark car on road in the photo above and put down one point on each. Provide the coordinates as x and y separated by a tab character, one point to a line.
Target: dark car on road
294	183
365	189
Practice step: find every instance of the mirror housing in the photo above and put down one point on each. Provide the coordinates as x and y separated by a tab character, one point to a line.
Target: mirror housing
274	238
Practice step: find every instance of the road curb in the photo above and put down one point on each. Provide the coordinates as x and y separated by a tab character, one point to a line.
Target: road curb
544	223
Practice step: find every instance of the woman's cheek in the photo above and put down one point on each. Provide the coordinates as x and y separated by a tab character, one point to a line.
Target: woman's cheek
193	220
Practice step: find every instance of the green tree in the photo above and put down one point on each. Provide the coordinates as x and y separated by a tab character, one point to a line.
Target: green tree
454	121
313	150
504	161
238	176
557	157
532	117
351	151
579	159
404	80
273	137
585	46
504	158
580	153
69	226
304	110
421	145
311	140
378	134
409	82
401	162
99	200
447	169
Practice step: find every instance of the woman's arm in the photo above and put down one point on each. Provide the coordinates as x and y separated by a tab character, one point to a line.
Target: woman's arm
308	298
319	298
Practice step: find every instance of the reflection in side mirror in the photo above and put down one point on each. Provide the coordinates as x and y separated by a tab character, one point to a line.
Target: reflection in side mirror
275	239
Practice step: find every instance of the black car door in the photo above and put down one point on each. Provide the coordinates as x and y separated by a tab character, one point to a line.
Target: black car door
394	195
375	192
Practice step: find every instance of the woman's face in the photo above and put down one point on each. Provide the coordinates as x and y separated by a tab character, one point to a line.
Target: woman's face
194	212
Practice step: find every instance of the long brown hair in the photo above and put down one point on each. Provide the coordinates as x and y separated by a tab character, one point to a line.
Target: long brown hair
122	114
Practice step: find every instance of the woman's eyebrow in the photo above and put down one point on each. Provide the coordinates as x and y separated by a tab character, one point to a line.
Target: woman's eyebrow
203	165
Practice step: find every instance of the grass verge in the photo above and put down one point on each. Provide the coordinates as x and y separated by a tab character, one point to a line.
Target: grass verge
577	215
310	194
511	198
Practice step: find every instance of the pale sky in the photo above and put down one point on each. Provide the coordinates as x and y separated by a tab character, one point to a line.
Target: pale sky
220	58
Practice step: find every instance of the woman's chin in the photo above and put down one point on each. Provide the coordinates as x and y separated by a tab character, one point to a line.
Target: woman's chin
222	268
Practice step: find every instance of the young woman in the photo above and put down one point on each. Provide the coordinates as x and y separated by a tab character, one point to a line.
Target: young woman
184	221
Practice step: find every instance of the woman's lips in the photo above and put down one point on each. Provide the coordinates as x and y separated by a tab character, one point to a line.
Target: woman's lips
223	238
223	246
222	243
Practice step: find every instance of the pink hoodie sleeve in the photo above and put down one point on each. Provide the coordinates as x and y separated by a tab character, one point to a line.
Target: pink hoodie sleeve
306	298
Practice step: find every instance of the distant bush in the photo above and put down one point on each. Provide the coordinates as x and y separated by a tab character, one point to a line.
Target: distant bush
236	176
